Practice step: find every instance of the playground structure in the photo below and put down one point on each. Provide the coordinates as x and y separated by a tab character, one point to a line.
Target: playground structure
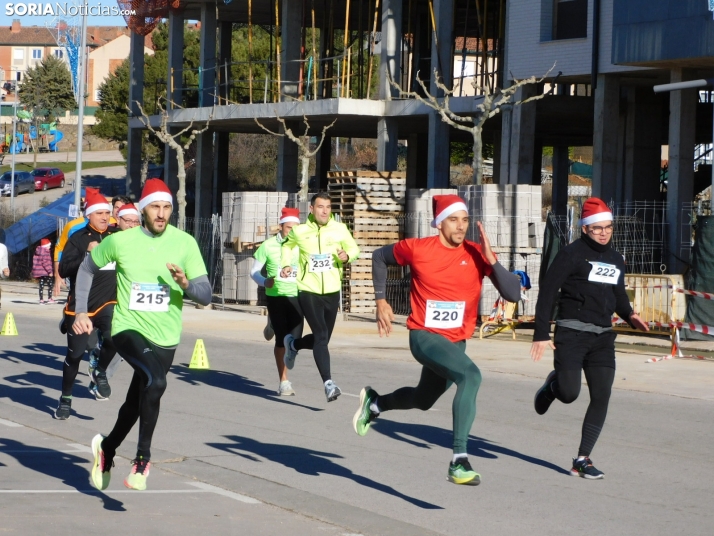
28	138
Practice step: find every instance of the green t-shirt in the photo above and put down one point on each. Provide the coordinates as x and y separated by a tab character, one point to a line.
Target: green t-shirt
143	280
269	254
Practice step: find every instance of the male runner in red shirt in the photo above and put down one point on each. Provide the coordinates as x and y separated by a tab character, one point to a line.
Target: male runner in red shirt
446	272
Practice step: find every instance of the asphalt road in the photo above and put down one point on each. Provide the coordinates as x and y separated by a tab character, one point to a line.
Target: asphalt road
231	457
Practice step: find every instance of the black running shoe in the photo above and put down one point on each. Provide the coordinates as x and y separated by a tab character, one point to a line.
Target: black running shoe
584	468
64	409
544	397
99	377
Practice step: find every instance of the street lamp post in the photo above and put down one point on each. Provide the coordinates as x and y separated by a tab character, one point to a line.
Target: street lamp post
14	142
81	89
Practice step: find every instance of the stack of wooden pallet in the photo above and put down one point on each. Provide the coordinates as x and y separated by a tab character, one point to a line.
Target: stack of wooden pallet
371	203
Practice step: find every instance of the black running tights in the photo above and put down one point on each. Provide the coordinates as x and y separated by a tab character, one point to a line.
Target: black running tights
78	344
48	282
151	363
320	311
567	389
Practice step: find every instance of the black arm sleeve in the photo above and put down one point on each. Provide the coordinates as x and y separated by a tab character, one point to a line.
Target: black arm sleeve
622	303
199	290
507	284
554	279
72	258
382	258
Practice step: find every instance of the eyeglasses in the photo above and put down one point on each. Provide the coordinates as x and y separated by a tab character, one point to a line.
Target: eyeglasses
133	223
602	230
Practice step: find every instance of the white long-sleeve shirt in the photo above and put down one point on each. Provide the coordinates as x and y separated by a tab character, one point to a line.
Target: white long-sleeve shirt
255	274
3	260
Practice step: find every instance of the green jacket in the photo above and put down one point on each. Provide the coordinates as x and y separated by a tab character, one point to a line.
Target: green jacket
320	269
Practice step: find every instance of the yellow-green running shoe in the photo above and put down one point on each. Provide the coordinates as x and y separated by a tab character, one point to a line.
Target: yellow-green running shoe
364	416
101	470
139	471
460	472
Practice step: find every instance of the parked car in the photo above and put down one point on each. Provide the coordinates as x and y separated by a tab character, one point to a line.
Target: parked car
24	182
46	178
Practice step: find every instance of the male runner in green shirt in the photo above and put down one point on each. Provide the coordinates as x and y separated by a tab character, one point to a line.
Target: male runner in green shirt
156	264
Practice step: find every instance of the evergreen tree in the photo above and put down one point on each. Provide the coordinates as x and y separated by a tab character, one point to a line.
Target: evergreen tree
47	89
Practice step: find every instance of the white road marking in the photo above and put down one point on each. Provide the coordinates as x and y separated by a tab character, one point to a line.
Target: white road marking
107	492
350	394
11	424
79	448
224	492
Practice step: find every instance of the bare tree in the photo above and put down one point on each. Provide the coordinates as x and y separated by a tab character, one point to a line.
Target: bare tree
303	143
174	141
491	104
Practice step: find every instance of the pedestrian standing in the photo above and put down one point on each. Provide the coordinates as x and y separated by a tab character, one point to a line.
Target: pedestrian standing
42	269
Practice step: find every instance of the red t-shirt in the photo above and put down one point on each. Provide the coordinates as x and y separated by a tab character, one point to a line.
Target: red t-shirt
446	285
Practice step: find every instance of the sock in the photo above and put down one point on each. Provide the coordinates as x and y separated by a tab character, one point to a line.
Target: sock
580	458
292	345
459	455
328	382
67	396
374	407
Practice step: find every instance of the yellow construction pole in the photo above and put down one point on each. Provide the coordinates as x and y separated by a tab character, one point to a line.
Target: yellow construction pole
345	41
277	46
250	51
314	55
371	49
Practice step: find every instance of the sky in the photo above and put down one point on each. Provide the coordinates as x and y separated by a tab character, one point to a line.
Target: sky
32	20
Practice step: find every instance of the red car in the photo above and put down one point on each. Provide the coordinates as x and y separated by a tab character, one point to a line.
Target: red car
46	178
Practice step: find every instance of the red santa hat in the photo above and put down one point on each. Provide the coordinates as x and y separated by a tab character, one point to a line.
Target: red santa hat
128	210
45	243
95	201
595	210
155	190
444	206
289	215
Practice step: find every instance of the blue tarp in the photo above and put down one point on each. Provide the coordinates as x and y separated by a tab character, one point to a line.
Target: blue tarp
43	222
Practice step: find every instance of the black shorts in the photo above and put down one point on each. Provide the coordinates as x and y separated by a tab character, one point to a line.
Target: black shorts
285	316
576	350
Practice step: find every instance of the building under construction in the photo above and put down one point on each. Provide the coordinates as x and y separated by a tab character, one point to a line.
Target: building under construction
332	61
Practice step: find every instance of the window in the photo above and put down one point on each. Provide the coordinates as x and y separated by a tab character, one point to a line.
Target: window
18	56
97	96
570	19
59	53
36	53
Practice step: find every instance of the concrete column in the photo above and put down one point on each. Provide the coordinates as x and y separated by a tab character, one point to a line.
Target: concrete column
204	174
522	134
207	80
174	91
287	161
387	144
391	44
680	182
438	167
323	162
536	177
225	35
643	145
605	137
175	57
290	30
136	94
220	170
417	161
561	166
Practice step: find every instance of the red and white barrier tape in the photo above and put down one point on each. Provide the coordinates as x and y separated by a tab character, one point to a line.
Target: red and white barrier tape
698	294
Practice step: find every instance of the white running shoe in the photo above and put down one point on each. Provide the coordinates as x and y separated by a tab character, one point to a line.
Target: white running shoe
286	389
332	391
290	353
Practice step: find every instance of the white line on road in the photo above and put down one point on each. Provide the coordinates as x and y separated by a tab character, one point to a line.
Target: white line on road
350	394
225	493
11	424
78	448
107	492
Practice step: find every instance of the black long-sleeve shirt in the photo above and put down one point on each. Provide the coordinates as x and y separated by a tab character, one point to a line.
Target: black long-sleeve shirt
104	287
583	295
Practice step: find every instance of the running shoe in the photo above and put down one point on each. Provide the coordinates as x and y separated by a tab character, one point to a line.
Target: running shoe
290	352
95	392
544	396
51	301
101	470
364	415
64	409
42	302
139	472
332	391
268	331
583	467
100	378
461	472
286	389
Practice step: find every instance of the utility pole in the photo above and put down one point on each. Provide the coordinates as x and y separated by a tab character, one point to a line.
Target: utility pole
81	89
13	147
